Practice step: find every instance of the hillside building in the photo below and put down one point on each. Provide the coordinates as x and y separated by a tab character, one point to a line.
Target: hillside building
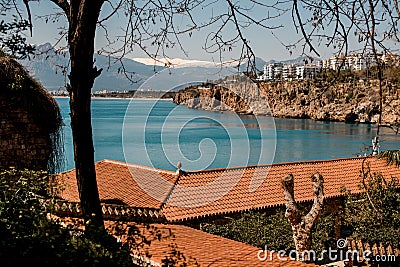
307	72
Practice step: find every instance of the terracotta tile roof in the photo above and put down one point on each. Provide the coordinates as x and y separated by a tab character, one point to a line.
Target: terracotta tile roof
204	249
212	192
198	247
337	174
117	183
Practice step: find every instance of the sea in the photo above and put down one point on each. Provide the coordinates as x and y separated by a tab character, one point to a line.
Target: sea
159	134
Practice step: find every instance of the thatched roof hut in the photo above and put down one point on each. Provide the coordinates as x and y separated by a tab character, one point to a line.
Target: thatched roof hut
30	121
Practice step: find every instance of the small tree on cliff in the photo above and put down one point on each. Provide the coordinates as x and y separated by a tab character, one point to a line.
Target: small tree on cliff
302	225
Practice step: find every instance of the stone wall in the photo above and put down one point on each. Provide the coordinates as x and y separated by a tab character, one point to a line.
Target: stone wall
22	144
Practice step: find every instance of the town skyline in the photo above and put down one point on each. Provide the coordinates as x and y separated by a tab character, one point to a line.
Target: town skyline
309	68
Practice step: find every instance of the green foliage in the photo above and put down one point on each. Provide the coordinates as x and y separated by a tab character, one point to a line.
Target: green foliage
350	95
20	207
12	38
391	156
257	229
374	215
28	235
273	230
392	74
332	76
326	231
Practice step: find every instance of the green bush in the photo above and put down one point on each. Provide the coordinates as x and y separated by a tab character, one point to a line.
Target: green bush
29	236
375	217
273	230
257	229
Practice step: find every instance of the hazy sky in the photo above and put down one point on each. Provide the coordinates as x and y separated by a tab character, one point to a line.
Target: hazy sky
264	42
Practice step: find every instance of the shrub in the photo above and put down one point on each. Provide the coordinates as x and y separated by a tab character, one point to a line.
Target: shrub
374	215
30	236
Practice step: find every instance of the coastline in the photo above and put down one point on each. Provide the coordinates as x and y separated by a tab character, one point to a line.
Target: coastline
122	98
345	102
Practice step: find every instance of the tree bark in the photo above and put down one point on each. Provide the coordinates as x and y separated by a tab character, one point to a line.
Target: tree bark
82	17
302	226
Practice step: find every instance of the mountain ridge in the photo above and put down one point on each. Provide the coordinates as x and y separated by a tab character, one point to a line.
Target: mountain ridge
50	68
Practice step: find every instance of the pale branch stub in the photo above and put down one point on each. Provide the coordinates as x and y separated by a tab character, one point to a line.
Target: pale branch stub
302	225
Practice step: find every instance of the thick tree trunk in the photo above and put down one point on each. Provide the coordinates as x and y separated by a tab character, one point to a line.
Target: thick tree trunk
82	18
302	226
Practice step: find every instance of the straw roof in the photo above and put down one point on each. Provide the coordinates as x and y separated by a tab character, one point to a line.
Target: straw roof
24	92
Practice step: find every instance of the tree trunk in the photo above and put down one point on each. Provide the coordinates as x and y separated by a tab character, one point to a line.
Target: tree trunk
302	226
82	18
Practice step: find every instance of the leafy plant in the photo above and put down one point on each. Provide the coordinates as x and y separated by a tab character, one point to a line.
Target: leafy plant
12	38
374	215
391	156
30	235
257	229
273	229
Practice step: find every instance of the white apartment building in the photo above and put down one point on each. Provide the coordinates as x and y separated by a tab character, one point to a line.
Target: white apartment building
335	62
355	61
289	72
307	72
280	71
272	72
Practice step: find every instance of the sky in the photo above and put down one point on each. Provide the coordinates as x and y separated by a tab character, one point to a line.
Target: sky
266	44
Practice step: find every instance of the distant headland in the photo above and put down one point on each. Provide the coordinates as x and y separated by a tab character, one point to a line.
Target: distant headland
137	94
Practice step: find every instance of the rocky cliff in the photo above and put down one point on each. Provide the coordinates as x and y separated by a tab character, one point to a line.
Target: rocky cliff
350	101
237	94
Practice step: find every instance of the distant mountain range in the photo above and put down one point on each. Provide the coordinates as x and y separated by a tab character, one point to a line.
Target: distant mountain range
47	66
298	60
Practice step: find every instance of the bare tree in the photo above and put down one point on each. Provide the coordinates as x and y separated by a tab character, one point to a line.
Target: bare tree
152	27
302	225
149	24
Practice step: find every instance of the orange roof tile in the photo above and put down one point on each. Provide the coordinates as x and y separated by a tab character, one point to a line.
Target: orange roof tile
203	249
197	247
117	182
340	173
211	192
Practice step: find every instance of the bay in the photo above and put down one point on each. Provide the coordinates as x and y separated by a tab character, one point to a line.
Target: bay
159	134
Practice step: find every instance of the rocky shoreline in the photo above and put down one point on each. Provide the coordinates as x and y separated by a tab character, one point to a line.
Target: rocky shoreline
356	102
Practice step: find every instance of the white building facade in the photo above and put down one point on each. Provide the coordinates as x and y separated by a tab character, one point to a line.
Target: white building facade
354	62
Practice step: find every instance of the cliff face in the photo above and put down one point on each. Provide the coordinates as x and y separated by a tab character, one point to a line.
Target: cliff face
239	95
350	102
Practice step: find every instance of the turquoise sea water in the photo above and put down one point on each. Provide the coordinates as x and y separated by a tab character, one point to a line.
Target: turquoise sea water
159	134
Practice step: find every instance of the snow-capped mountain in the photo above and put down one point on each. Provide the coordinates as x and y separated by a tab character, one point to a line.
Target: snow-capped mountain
49	66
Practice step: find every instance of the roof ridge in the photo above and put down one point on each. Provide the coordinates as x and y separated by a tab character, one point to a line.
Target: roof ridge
165	201
222	169
276	164
143	167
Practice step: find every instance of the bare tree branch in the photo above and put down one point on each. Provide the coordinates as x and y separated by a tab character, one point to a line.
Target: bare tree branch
64	5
